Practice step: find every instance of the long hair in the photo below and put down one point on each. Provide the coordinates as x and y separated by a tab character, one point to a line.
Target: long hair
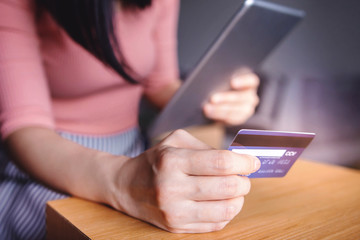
90	23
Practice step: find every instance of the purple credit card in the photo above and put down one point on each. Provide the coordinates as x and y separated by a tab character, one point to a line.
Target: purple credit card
277	150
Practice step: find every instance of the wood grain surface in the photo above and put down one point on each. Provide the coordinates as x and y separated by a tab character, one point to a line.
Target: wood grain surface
314	201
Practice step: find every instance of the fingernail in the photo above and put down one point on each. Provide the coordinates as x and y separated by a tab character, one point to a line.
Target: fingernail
257	164
216	98
237	82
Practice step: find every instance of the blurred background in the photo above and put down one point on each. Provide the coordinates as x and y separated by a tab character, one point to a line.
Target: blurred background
310	82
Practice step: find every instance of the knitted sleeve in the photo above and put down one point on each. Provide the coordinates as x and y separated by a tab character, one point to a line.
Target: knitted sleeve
24	94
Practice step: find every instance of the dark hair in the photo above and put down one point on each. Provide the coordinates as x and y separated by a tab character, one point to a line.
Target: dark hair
90	23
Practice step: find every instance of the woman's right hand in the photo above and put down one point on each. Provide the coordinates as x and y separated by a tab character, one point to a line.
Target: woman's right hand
182	185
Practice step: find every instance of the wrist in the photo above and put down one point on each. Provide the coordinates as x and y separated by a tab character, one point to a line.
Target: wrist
109	167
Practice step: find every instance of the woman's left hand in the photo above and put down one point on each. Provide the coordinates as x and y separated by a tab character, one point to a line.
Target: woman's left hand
236	106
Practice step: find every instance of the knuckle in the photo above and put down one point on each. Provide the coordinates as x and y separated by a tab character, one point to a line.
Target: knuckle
223	161
165	155
179	133
232	208
160	195
164	192
175	217
172	219
173	138
229	212
229	186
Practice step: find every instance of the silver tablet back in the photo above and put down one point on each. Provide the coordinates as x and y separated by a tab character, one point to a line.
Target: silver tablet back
255	30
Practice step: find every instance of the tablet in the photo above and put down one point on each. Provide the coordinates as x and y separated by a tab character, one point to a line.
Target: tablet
253	32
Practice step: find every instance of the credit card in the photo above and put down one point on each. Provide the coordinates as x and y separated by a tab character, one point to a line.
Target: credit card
277	150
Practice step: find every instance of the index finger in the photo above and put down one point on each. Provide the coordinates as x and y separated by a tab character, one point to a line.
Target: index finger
219	162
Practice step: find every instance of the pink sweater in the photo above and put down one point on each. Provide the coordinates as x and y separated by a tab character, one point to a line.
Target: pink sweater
46	79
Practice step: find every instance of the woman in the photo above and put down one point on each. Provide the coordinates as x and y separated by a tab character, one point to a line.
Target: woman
71	76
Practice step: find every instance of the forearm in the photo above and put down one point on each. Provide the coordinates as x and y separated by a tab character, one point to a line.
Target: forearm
64	165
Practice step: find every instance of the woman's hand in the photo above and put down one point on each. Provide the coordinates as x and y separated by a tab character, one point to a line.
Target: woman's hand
184	186
236	106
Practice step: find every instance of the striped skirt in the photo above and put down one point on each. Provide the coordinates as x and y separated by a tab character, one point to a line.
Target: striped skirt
23	200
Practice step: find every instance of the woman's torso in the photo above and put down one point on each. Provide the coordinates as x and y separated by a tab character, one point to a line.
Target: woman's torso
83	90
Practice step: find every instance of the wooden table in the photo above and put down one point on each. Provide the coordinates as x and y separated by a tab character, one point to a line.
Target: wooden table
314	201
